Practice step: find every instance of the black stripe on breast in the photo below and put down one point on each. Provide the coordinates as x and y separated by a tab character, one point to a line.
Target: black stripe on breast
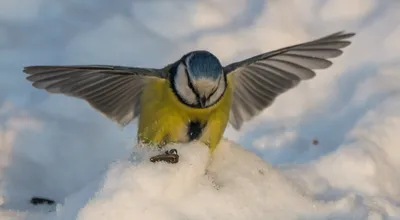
195	128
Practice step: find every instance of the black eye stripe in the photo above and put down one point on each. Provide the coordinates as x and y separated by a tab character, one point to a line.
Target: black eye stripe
212	93
190	84
215	89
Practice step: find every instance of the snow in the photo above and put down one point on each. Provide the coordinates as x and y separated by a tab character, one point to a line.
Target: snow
197	188
234	184
59	148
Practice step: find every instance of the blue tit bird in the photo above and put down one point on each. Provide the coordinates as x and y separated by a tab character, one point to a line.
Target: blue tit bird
194	98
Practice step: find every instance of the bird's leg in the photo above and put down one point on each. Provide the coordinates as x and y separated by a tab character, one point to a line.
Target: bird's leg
169	156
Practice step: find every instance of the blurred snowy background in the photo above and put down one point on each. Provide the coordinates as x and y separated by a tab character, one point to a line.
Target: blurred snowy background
53	145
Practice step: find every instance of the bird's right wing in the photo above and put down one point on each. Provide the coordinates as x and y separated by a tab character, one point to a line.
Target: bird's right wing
115	91
260	79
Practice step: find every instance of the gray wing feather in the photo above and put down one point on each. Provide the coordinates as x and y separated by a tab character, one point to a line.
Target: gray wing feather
260	79
113	90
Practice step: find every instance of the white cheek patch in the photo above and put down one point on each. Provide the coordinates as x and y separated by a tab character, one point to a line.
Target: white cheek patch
182	87
218	93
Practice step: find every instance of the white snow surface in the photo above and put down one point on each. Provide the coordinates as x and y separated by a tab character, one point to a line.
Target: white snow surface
233	184
57	147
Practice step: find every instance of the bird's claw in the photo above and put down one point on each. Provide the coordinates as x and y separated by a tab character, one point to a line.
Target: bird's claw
170	156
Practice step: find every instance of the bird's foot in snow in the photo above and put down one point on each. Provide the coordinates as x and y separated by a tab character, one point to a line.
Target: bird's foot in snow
169	156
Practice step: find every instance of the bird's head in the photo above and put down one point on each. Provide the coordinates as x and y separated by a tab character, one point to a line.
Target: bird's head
198	79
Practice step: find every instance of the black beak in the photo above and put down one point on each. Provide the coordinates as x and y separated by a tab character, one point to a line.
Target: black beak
202	101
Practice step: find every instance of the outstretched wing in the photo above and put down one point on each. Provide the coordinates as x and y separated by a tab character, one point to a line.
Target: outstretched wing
113	90
260	79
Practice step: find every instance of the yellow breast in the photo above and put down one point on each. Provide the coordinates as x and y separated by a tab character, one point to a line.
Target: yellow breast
165	119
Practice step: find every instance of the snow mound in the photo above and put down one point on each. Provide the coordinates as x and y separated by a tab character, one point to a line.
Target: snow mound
235	184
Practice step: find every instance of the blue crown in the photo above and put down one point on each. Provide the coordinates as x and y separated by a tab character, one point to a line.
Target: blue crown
203	64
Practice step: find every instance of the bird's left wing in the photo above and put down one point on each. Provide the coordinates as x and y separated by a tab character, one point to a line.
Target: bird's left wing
113	90
257	81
